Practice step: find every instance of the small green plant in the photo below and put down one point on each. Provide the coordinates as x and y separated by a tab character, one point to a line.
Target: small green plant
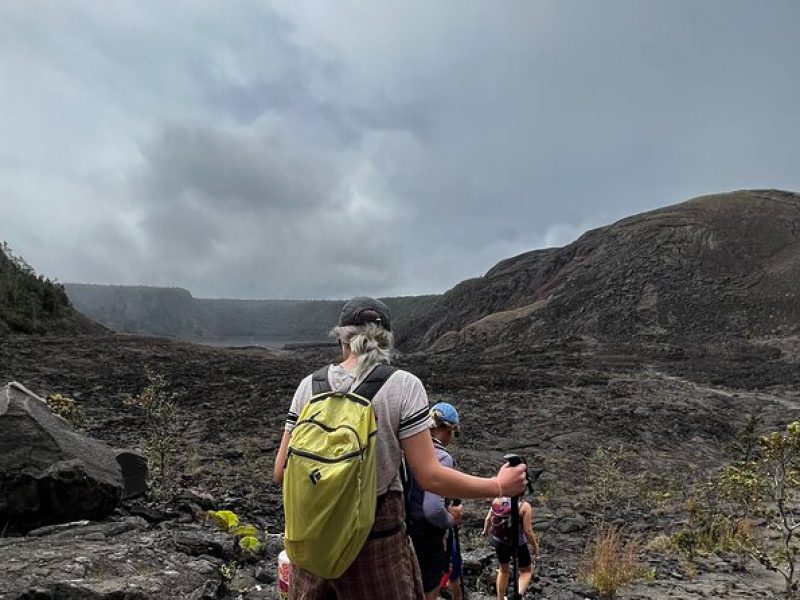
66	408
609	486
611	562
658	491
246	535
223	519
228	571
660	544
250	544
607	475
746	442
160	413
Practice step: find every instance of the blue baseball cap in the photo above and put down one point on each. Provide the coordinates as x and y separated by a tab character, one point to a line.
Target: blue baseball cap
444	413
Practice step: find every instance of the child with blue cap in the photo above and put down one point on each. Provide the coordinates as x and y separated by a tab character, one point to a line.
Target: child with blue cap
431	516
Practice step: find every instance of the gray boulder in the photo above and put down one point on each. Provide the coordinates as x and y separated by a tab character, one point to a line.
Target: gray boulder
50	473
118	559
134	473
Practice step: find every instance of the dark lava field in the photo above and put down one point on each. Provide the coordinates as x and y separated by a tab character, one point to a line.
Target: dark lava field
587	414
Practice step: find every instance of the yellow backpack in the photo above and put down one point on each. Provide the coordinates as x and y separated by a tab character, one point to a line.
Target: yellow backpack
329	484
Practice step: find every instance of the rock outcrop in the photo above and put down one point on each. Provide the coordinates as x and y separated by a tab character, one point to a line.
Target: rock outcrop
120	558
723	266
50	473
134	473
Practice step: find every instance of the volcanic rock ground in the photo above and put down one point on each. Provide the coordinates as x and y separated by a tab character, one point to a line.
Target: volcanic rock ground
667	421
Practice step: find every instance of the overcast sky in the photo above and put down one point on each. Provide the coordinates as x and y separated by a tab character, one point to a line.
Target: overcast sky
324	149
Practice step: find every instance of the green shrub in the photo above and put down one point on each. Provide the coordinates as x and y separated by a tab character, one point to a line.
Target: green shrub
715	524
66	408
161	428
610	488
739	508
770	487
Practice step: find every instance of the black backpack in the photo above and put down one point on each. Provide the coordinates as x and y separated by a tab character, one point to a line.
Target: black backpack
412	492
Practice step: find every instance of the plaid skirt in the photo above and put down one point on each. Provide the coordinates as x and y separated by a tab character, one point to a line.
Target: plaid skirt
386	567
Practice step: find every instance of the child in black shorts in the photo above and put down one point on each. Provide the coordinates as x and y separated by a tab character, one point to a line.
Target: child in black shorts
498	523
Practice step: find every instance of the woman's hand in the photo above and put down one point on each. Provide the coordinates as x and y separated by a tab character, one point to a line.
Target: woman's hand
457	512
512	479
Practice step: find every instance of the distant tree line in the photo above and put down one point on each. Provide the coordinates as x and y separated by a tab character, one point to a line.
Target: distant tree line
27	300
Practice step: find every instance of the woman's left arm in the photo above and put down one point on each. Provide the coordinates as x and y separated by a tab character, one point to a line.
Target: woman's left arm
527	527
280	458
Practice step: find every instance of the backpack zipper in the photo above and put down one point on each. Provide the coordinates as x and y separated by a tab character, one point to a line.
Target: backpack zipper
349	455
311	421
325	459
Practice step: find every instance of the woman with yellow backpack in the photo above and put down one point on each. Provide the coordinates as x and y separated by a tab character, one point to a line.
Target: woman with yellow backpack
395	419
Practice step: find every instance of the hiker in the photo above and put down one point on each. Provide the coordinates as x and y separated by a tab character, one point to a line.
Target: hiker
498	523
430	516
385	566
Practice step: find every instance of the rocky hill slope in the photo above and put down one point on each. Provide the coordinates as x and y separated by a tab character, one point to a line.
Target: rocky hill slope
718	267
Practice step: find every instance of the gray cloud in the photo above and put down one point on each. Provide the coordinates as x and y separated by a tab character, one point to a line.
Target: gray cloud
200	167
261	210
330	148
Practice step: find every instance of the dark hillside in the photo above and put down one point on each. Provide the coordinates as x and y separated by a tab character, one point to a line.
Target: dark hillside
289	320
166	312
716	268
175	313
31	303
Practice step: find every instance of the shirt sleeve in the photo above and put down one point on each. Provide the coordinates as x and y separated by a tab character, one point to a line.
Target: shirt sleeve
413	408
434	506
435	511
301	397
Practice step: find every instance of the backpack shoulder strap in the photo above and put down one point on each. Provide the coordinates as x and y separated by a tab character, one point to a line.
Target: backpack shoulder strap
319	381
377	377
